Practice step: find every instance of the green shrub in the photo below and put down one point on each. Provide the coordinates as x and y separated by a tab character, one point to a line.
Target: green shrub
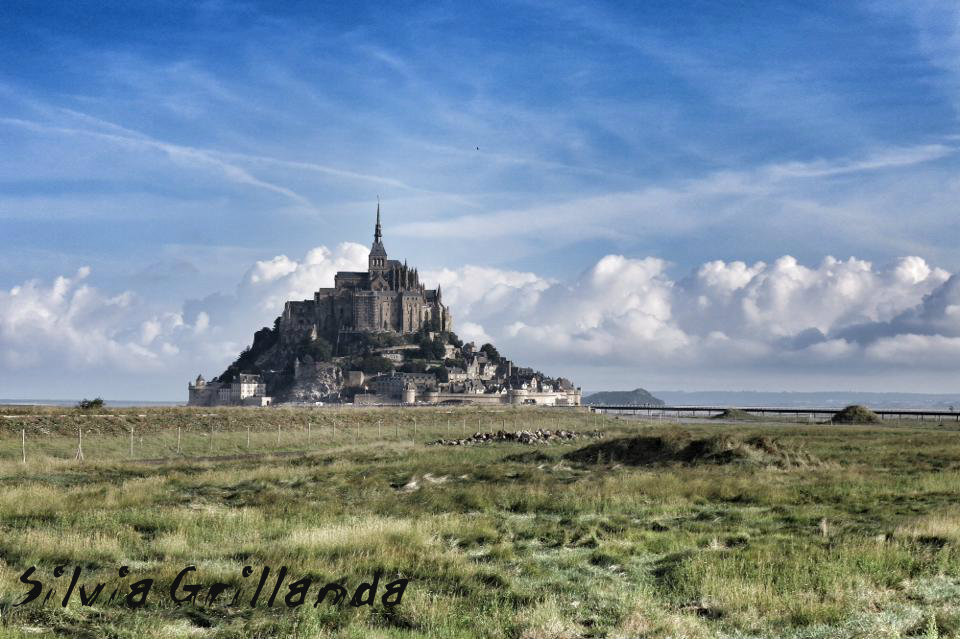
90	404
855	414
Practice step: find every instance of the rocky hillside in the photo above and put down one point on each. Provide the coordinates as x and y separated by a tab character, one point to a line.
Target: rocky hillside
635	397
315	369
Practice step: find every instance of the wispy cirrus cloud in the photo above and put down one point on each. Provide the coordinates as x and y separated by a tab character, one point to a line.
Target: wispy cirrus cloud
686	201
186	155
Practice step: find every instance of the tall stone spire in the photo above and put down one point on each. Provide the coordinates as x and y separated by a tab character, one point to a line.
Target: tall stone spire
378	254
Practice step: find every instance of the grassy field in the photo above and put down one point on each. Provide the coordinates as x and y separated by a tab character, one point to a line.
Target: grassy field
861	539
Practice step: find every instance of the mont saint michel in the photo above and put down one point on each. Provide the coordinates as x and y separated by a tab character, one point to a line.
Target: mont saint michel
377	337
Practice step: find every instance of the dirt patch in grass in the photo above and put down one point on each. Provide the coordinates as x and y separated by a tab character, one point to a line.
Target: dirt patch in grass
680	447
534	456
855	414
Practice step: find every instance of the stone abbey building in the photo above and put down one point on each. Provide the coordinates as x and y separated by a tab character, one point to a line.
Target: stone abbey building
388	296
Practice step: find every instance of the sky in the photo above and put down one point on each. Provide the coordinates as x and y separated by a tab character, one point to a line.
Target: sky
686	195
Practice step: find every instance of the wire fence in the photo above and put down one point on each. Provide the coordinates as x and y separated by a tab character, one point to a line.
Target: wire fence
187	434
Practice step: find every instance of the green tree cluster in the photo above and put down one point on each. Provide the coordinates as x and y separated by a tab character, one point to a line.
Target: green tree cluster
492	354
440	372
319	349
373	364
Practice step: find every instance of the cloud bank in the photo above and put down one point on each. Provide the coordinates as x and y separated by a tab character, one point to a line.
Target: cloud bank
622	322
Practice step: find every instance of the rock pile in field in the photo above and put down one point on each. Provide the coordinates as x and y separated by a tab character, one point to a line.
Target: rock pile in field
681	447
855	414
540	436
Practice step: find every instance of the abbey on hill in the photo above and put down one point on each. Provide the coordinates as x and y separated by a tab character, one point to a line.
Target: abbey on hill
388	296
377	337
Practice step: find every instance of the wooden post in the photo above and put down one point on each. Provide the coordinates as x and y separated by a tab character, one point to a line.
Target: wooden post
448	426
131	442
211	438
309	433
278	435
248	436
396	426
79	444
463	429
178	440
357	438
23	443
414	429
379	429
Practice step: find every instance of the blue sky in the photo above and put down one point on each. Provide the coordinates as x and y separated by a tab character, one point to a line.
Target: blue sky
171	147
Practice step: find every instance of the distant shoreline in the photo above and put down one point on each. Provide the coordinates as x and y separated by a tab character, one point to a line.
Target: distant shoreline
786	399
115	403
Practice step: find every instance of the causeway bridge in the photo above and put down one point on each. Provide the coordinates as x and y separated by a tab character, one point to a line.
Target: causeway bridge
811	414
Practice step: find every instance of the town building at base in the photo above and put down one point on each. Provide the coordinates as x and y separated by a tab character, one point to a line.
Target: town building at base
245	390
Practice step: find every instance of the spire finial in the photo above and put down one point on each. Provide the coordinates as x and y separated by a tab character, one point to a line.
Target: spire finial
376	230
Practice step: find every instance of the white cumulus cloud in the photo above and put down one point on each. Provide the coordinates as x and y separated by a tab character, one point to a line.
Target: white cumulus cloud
838	318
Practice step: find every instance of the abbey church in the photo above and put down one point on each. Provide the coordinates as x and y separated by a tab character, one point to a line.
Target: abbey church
388	296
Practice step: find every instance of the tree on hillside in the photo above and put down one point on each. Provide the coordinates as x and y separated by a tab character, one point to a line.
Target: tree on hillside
458	362
263	340
431	349
414	366
440	372
374	364
492	354
319	349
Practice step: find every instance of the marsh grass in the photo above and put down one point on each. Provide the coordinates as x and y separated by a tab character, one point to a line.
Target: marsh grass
497	540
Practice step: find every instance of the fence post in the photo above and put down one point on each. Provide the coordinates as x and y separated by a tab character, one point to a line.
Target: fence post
379	429
131	442
396	426
278	435
357	438
178	440
309	433
414	430
23	443
248	436
79	443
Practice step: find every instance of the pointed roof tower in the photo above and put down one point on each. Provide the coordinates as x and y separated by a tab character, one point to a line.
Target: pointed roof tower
378	254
